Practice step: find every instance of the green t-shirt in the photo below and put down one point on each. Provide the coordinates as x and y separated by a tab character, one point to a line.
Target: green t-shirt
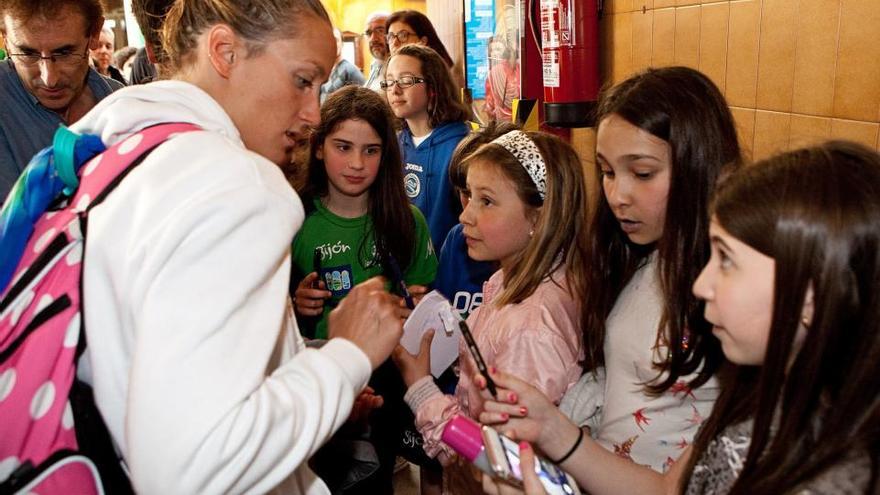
346	261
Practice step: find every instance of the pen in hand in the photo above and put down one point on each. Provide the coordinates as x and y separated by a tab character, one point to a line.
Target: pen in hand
478	358
401	283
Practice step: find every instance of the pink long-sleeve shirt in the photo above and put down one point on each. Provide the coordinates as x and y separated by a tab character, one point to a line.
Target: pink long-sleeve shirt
539	340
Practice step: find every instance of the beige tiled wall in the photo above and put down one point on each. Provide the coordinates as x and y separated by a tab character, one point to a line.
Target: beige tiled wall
793	71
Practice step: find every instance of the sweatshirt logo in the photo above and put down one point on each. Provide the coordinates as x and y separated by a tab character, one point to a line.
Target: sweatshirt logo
412	184
414	167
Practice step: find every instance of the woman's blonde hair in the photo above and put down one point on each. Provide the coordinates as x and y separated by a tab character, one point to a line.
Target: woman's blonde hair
560	233
257	21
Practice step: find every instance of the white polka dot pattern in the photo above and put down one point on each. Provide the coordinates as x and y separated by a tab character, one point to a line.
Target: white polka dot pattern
44	240
42	400
7	383
130	144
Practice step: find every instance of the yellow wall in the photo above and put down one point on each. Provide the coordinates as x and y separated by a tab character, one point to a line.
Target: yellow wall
794	71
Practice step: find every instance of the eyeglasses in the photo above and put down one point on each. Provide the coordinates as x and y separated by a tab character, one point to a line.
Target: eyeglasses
401	36
379	30
402	83
68	58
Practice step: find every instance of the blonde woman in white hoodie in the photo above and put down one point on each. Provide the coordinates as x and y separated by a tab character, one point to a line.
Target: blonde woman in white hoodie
197	366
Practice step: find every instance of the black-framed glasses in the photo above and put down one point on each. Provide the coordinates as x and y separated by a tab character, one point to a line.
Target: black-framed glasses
67	57
402	82
379	30
401	36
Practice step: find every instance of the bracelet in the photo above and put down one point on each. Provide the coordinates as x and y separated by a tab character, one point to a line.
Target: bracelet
572	449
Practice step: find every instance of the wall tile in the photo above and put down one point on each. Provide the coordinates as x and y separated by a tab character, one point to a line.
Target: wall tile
642	42
807	130
688	2
745	129
772	130
583	141
816	57
742	53
860	132
617	6
687	36
623	41
639	5
857	85
663	51
660	4
776	54
713	42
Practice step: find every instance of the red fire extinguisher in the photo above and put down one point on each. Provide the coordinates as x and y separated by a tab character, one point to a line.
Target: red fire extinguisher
570	61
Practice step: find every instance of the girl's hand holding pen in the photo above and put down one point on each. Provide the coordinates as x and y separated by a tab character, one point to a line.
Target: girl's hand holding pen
526	413
310	295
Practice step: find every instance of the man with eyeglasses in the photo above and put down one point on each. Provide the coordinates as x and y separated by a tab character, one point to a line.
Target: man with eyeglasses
46	80
375	34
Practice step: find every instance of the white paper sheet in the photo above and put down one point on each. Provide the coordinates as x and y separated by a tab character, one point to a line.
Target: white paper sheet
434	311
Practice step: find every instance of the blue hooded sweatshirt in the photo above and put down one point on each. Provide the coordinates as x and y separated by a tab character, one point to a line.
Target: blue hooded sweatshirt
426	178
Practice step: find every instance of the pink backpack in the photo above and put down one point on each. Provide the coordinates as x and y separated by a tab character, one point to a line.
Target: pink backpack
52	438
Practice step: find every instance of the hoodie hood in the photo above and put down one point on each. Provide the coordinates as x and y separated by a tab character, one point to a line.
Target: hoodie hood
136	107
450	131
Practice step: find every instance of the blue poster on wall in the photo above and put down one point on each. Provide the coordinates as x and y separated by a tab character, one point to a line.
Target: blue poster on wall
479	26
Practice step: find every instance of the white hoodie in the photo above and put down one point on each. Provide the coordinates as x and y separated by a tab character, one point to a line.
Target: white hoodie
196	362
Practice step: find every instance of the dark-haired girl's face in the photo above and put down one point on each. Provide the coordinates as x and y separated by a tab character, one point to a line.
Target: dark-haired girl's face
737	284
352	154
636	171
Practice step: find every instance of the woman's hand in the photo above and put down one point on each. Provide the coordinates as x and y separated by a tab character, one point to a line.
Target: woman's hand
527	413
531	483
413	368
308	300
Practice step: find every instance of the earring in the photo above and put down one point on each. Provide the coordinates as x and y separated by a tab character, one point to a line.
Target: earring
532	233
805	321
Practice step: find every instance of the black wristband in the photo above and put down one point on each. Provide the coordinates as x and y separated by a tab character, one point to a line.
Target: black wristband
572	449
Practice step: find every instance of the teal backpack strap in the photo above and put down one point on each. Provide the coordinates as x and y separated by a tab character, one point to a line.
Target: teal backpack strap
64	144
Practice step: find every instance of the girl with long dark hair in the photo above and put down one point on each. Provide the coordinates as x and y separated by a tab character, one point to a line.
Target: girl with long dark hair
359	219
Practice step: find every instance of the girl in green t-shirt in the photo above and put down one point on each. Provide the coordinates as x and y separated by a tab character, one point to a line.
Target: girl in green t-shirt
359	224
359	221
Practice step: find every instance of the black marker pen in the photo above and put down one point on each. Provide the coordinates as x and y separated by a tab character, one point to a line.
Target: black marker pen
475	352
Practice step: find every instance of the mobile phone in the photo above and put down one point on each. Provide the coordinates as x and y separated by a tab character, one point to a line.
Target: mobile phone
553	478
478	358
316	267
495	453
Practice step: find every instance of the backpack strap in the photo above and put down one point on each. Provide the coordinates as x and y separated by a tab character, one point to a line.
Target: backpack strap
100	176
